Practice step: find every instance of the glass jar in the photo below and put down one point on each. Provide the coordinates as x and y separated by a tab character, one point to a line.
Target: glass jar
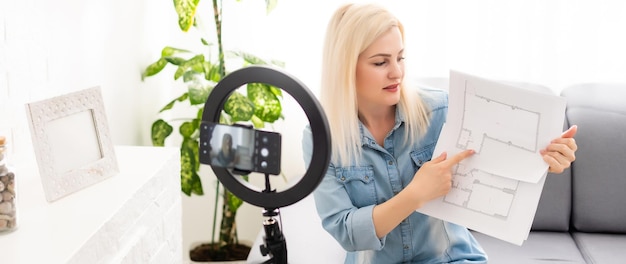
8	210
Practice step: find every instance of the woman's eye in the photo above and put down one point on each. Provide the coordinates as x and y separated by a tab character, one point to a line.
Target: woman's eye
400	58
379	63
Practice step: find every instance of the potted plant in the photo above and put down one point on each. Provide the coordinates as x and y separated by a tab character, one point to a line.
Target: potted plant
259	105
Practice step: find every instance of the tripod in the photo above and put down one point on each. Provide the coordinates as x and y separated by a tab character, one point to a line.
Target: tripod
275	244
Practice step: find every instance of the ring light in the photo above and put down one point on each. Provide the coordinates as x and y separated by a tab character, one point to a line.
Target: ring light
317	120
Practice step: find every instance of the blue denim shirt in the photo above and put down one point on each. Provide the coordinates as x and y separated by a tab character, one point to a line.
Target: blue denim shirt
347	195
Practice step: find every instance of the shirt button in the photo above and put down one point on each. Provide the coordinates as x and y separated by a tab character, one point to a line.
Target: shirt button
391	162
343	178
406	247
367	178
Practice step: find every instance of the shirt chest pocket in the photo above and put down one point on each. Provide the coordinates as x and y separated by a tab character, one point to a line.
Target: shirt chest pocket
421	156
359	184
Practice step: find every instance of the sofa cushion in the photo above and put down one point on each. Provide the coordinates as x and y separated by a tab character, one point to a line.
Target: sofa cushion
601	248
540	247
554	209
555	204
599	172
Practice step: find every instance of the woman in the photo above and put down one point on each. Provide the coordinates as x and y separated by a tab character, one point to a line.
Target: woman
383	137
226	157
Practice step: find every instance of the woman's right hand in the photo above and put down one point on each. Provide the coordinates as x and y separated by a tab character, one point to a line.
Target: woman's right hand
434	178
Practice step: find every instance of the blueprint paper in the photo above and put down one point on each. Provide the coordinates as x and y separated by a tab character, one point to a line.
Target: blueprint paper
496	191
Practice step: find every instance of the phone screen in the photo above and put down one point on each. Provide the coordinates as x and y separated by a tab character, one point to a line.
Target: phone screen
232	147
240	148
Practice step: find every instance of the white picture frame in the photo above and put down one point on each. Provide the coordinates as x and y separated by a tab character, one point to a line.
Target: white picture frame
72	144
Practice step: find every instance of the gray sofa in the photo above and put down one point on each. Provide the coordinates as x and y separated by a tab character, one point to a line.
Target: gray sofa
581	216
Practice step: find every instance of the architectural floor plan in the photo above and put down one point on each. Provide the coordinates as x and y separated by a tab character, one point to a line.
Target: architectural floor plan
487	121
496	190
482	192
485	126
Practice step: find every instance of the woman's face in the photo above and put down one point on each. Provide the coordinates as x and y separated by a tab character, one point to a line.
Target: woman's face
379	71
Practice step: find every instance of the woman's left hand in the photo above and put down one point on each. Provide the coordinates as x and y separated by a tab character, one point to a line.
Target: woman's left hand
561	152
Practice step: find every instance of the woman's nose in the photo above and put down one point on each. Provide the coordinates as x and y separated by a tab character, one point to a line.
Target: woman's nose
396	70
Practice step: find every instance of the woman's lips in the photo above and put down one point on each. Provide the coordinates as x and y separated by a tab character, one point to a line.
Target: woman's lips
391	88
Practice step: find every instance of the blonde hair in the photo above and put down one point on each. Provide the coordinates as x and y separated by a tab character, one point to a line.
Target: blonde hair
352	28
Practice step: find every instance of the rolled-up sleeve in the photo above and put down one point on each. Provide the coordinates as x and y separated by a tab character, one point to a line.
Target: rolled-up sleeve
352	227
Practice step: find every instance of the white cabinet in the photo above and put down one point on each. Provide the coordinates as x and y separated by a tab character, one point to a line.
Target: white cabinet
131	217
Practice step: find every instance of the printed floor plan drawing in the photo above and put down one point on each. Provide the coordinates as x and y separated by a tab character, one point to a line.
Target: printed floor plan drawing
478	132
476	189
482	192
496	191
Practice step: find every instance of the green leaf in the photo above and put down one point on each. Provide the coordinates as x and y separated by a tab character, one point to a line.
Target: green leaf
211	72
189	165
154	68
266	105
239	107
160	64
198	120
195	64
199	114
186	10
205	42
175	60
169	106
187	129
189	76
169	51
276	91
160	131
234	202
257	122
192	145
198	93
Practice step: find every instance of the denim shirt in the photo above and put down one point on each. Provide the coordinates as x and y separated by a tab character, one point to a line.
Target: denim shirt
347	195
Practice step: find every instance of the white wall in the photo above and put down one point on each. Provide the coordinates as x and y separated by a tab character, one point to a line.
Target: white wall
554	43
49	48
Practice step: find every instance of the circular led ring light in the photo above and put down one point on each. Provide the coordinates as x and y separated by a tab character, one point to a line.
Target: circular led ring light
317	120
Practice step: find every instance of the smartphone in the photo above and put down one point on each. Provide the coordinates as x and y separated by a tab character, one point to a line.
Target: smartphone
240	148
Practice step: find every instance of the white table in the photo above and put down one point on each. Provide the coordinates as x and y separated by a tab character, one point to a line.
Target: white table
131	217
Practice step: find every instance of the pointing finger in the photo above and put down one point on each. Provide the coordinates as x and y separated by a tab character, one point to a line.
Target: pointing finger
459	157
440	158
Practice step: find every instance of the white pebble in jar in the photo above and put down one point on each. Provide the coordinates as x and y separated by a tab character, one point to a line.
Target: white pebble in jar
8	210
